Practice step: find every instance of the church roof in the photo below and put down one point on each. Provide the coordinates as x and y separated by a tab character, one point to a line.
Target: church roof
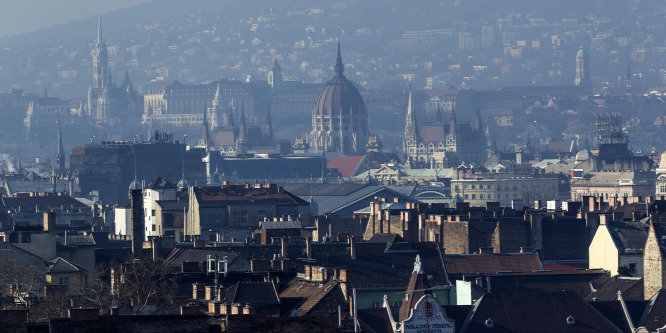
340	96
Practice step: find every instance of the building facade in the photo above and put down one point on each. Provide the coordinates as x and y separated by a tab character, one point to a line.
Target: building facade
340	119
478	191
108	103
441	145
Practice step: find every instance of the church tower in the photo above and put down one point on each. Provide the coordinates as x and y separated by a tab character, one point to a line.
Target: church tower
412	137
100	57
60	153
275	75
583	70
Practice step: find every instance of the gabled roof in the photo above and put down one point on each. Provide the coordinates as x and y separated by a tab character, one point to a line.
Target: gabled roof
631	288
76	240
628	237
655	317
255	294
535	312
314	299
347	166
60	265
160	183
281	225
491	263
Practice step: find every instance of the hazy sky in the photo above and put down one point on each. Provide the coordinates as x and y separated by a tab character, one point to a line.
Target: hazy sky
19	16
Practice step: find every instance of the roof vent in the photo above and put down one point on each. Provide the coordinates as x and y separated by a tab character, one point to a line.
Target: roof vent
571	321
489	323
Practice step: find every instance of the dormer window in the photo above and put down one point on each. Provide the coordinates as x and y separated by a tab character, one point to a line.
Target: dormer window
489	323
571	321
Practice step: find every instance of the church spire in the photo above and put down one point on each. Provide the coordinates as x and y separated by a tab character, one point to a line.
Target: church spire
205	133
411	125
478	127
268	135
60	153
217	100
438	115
101	71
100	38
339	67
242	131
453	125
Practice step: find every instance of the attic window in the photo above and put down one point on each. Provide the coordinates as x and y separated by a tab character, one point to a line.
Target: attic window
656	318
489	323
571	321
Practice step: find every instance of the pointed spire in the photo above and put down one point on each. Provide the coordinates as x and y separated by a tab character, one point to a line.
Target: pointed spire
411	125
478	127
217	99
453	125
242	131
269	125
100	38
205	131
60	153
339	67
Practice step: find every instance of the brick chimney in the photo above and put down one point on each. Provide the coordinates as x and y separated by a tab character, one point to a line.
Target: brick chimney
49	222
308	247
283	249
352	247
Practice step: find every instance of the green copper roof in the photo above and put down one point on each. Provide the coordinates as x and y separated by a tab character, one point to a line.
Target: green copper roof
581	52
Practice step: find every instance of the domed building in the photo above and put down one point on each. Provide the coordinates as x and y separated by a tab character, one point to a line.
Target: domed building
340	119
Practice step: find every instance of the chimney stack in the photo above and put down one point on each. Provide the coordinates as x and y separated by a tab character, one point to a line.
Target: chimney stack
352	247
308	247
49	222
283	250
136	198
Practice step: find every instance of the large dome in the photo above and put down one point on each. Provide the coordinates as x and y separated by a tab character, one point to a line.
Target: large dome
340	95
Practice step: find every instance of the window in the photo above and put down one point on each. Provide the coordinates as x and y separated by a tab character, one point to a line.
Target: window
154	227
473	196
466	196
153	212
490	196
480	186
473	186
481	196
632	268
63	280
243	217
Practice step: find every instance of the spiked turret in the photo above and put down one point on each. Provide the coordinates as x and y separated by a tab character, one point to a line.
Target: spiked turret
60	153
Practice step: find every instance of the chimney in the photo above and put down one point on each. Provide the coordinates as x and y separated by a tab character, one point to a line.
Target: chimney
155	247
485	250
352	247
49	222
308	247
136	198
283	250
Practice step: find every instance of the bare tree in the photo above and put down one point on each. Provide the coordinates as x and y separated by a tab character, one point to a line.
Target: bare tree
21	282
144	282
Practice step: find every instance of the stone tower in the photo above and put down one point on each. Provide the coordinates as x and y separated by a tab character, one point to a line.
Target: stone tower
100	57
275	75
583	70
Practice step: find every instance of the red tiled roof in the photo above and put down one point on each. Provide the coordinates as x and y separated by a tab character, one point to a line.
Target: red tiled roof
346	165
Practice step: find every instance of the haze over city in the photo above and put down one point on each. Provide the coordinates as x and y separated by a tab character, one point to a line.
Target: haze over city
345	166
